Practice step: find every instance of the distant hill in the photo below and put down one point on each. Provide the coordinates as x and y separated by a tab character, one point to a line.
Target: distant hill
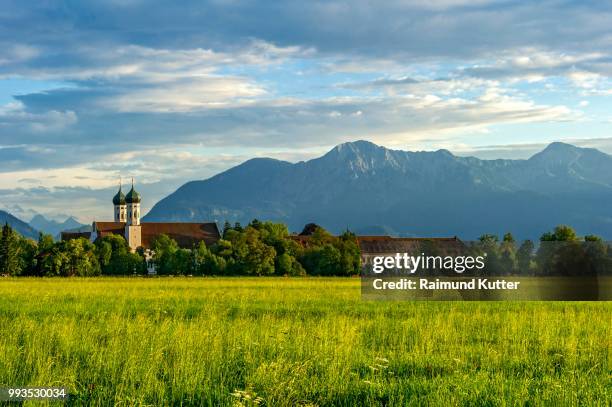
372	189
52	227
18	225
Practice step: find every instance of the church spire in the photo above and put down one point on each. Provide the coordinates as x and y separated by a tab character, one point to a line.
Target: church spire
132	196
119	198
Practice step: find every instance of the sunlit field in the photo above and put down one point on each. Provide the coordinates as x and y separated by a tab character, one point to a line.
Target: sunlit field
295	341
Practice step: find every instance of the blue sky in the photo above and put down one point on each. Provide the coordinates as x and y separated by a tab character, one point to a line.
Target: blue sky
168	92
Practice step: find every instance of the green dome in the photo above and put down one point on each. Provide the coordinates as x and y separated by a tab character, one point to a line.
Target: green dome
132	196
119	199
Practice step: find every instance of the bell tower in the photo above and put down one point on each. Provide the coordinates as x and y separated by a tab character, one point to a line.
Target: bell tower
133	233
133	206
119	204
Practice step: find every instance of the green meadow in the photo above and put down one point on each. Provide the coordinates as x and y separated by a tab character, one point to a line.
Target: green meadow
295	341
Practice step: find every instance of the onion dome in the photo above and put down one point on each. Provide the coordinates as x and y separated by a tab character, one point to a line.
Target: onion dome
132	196
119	199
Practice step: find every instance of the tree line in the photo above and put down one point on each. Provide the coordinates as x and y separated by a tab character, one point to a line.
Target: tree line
259	249
559	252
266	249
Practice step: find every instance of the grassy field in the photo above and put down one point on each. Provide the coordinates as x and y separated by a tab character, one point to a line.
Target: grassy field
277	341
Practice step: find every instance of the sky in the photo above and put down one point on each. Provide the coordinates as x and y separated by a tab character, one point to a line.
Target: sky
166	92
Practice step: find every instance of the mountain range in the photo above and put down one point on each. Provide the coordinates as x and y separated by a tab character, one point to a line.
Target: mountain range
370	189
53	227
18	225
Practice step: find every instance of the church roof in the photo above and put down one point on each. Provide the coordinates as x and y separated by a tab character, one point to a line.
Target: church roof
185	234
74	235
132	196
107	228
119	198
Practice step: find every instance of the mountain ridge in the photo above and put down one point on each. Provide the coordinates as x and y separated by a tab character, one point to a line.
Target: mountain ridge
21	227
53	227
367	187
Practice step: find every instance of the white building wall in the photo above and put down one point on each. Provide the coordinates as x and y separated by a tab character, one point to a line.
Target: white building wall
133	236
133	214
120	213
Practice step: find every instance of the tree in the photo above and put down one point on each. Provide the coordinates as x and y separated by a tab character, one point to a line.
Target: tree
309	229
27	250
120	260
224	248
351	254
507	254
259	258
255	224
562	233
560	252
489	245
165	249
275	235
45	242
246	253
81	258
105	252
329	260
287	265
53	263
328	255
9	256
205	262
320	237
595	255
226	227
181	262
524	256
17	253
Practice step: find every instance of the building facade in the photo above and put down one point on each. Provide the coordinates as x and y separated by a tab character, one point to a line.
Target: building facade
127	223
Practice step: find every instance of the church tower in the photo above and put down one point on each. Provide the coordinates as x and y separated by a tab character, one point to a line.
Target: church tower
133	233
120	206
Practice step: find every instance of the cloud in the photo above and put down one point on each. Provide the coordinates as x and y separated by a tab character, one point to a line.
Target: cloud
525	150
17	53
394	29
136	79
85	191
156	143
173	93
14	115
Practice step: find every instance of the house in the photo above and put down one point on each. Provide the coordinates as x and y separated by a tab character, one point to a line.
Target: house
377	246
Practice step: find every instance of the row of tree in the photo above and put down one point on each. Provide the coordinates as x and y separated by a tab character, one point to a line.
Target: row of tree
20	256
261	248
560	252
266	248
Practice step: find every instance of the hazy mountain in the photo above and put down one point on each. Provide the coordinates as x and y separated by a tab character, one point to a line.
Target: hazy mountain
53	227
18	225
371	189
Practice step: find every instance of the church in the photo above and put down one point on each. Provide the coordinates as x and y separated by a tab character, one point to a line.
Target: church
126	223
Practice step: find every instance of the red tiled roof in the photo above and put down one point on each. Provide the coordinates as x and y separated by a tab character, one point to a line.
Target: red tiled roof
107	228
185	234
389	244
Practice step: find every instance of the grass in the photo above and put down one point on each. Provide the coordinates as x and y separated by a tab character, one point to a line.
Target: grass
275	341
